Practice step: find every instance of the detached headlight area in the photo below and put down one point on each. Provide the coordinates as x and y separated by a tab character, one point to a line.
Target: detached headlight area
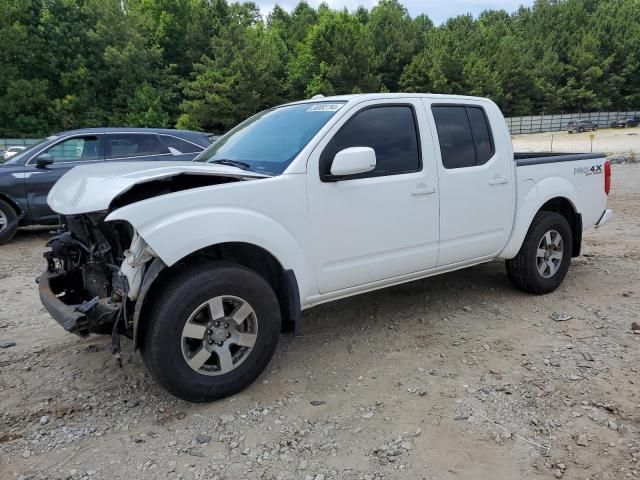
94	274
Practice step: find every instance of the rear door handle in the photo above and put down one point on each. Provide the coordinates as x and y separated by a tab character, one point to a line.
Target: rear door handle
499	181
423	191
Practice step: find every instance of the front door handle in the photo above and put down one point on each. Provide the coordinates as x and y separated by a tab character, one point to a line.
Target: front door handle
423	191
499	181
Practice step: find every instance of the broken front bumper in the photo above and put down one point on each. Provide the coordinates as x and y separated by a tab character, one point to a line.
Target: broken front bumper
82	318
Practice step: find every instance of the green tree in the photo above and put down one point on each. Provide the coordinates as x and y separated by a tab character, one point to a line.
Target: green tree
396	40
243	75
210	63
335	58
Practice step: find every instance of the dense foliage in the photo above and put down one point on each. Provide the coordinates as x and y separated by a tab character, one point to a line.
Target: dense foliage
208	64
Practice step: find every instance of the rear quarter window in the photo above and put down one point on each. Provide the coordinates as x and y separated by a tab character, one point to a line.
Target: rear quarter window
464	135
129	145
182	146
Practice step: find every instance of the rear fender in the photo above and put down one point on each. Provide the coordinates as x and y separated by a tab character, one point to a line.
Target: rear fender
535	197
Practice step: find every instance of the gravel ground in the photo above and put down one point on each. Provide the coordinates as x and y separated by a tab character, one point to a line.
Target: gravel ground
454	377
609	140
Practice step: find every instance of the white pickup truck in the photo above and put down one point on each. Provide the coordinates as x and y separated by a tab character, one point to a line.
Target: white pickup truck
204	264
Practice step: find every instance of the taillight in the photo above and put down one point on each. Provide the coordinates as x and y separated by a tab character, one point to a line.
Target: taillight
607	177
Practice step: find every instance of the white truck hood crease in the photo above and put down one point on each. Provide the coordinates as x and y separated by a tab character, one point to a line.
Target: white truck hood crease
92	188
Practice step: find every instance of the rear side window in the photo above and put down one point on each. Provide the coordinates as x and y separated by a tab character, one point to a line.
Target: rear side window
179	144
464	135
392	133
481	132
127	145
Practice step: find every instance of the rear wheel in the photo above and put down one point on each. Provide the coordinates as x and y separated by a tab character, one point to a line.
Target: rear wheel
595	127
544	258
8	223
213	330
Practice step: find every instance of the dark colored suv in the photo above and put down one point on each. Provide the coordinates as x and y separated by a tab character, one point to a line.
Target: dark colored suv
626	122
581	126
27	177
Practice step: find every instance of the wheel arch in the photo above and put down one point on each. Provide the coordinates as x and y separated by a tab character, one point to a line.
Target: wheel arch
567	209
13	204
254	257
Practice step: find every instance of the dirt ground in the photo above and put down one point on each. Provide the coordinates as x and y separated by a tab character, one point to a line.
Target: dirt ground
609	140
455	377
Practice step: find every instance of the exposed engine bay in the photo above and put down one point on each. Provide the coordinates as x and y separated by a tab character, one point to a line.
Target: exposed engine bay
95	268
83	269
99	272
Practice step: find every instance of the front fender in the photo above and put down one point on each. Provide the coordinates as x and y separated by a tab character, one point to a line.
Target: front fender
532	196
181	233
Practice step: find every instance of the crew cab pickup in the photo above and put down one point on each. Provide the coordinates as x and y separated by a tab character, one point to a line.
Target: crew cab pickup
203	264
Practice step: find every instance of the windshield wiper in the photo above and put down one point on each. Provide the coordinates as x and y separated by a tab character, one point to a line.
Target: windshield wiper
232	163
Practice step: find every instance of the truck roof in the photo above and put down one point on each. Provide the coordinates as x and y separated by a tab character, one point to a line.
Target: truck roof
361	97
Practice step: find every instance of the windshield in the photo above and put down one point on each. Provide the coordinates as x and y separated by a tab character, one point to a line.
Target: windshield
18	157
269	141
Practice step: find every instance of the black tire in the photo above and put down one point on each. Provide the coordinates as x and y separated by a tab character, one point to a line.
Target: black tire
10	227
580	130
179	297
595	128
523	268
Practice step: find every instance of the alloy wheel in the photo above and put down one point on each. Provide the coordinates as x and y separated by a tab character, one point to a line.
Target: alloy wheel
549	254
219	335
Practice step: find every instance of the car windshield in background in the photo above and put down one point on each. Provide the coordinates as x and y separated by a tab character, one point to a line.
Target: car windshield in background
269	141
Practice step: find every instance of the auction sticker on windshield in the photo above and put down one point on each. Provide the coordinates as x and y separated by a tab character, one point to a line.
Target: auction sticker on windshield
325	107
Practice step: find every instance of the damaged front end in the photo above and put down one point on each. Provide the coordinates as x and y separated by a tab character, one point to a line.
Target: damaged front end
94	273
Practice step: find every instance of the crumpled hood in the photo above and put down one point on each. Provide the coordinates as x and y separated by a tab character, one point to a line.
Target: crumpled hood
91	188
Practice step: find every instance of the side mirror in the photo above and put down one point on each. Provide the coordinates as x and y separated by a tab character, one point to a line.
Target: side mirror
353	160
44	160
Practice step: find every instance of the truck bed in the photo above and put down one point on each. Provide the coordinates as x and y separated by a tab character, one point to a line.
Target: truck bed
538	158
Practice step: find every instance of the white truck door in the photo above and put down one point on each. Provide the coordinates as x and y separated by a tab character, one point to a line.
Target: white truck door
476	184
381	224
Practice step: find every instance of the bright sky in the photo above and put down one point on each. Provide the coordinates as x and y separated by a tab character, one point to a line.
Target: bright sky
437	10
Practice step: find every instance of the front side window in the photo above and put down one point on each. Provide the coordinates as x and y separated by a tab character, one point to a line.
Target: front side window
76	149
127	145
392	133
269	141
464	135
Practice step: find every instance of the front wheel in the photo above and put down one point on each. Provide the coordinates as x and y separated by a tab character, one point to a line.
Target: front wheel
544	258
213	328
8	223
595	128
